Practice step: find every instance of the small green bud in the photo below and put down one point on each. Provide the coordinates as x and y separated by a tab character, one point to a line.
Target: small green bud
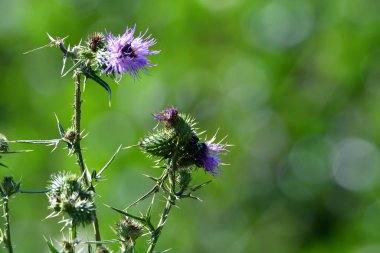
9	186
68	194
3	143
160	144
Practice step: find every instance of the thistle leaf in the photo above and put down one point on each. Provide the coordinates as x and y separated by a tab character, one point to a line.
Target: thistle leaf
90	74
127	214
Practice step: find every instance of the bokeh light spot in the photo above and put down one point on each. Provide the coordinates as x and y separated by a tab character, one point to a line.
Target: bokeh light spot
356	164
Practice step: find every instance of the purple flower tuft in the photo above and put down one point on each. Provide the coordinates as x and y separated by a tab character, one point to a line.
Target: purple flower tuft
166	115
208	158
127	53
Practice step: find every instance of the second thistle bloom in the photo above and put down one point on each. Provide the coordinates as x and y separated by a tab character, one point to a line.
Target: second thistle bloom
179	138
128	53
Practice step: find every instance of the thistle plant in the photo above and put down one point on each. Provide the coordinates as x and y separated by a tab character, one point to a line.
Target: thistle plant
176	146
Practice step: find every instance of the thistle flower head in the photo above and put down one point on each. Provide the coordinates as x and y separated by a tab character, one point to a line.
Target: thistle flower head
127	53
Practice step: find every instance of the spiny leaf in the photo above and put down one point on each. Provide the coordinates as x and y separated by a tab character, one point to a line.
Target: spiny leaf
60	127
127	214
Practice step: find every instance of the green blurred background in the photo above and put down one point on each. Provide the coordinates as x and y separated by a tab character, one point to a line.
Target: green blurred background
294	85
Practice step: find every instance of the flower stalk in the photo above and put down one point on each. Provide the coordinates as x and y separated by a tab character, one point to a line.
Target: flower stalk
76	121
170	202
7	227
73	233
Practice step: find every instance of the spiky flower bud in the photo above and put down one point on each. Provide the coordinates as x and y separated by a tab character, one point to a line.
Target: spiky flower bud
3	143
128	230
9	186
96	41
68	194
176	135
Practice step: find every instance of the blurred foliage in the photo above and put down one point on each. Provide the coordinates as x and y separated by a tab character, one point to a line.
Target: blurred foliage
294	85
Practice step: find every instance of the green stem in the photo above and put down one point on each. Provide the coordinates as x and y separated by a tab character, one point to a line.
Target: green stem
7	228
73	233
76	126
95	225
155	234
77	147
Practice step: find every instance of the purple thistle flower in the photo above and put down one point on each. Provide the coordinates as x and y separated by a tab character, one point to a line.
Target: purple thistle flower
127	53
208	158
166	115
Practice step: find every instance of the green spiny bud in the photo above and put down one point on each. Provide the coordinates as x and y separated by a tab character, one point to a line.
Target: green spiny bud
81	212
68	194
160	144
9	186
3	143
178	133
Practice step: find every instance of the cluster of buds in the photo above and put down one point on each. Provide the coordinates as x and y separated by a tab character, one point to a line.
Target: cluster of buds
68	194
178	138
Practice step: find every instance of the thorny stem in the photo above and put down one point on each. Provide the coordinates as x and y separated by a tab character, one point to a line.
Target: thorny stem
7	228
95	225
76	124
77	148
170	202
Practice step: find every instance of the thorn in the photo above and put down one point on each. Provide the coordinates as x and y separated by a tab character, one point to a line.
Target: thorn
132	146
